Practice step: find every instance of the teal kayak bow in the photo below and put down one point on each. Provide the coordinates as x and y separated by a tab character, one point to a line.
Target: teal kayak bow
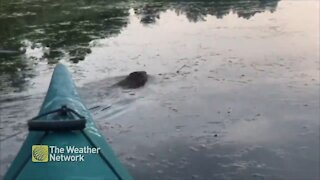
63	141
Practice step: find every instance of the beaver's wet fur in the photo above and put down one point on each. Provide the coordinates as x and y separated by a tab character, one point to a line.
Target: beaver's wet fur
134	80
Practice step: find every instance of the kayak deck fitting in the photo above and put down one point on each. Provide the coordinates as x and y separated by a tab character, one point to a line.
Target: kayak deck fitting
63	121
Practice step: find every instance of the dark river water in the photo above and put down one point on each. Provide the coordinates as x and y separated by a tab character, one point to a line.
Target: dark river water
233	91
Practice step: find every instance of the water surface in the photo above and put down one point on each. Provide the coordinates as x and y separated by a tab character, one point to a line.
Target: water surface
233	90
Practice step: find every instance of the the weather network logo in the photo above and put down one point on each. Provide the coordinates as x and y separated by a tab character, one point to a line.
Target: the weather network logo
48	153
40	153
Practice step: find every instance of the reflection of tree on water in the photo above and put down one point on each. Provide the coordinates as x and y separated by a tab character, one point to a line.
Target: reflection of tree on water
69	25
197	10
65	28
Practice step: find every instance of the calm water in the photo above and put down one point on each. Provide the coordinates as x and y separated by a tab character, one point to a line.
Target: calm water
233	90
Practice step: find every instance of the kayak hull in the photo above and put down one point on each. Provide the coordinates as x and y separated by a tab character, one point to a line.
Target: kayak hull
101	165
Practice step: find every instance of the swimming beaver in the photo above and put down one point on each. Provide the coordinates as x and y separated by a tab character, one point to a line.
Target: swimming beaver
134	80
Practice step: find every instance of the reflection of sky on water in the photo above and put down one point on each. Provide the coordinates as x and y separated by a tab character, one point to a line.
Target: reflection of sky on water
246	133
66	35
159	48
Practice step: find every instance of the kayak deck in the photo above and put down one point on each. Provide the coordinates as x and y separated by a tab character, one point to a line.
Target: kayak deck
101	165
